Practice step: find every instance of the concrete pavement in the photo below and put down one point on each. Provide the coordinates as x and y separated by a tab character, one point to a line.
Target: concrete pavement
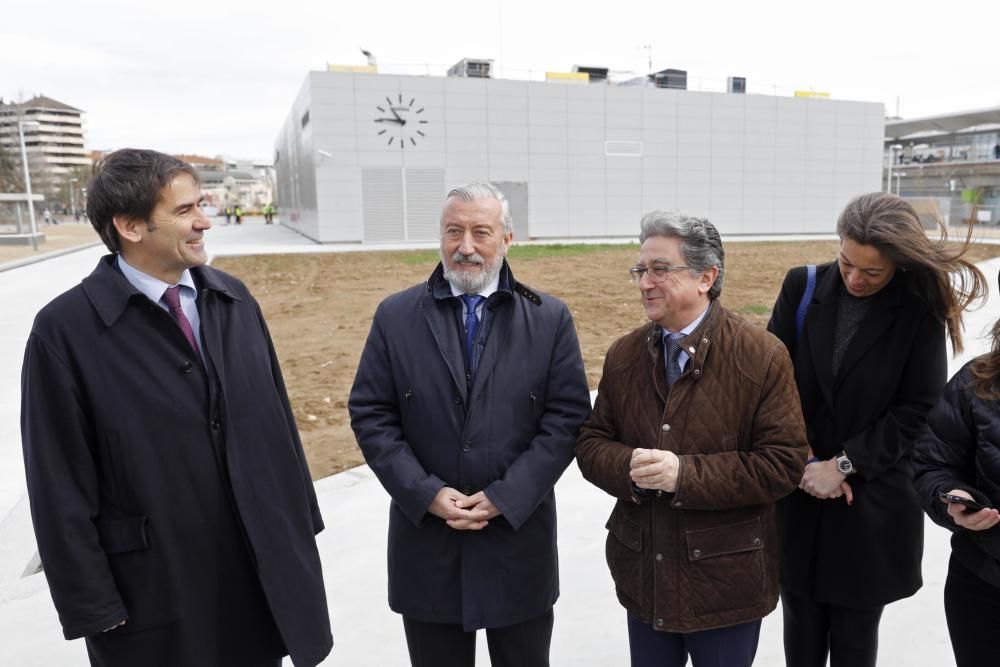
590	627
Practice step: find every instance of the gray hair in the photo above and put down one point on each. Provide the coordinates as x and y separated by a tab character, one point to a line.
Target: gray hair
483	190
701	244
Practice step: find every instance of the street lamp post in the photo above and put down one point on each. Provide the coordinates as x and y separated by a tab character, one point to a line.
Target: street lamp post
72	196
27	181
899	175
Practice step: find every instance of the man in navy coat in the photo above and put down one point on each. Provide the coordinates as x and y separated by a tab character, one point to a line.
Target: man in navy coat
466	405
172	504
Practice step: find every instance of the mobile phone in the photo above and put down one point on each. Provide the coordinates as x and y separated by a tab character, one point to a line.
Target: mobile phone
970	505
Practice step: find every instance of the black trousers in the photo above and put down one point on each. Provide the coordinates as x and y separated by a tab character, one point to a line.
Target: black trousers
815	629
446	645
733	646
972	607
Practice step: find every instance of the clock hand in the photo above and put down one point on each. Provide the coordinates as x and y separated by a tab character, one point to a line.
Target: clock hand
398	118
390	120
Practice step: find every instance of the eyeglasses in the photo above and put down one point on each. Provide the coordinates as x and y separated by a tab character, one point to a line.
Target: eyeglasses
657	273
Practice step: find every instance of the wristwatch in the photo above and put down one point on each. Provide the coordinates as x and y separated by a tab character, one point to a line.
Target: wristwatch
844	465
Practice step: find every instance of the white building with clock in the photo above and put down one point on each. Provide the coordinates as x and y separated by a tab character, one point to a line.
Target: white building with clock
367	157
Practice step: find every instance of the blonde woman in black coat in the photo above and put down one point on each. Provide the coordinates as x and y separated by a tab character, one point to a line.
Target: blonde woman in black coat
959	455
868	344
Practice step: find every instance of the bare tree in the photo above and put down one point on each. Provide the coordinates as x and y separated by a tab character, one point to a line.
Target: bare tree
66	189
11	172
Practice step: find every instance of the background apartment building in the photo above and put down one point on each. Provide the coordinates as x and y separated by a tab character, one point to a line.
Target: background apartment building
227	182
54	137
948	165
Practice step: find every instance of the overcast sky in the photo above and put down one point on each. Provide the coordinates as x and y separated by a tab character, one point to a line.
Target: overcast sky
219	77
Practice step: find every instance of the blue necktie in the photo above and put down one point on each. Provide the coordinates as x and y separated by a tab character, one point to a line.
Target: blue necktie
672	351
471	327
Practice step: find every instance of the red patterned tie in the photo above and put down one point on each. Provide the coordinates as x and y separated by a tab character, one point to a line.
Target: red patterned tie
173	298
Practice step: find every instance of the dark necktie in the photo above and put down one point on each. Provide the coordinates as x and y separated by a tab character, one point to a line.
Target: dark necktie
471	327
172	297
672	351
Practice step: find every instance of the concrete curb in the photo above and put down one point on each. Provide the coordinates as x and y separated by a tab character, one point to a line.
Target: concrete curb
17	263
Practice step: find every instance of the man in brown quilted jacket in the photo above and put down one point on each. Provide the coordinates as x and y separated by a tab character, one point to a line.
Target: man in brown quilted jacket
697	431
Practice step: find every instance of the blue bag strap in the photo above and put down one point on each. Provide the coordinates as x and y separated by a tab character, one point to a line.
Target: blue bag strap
807	295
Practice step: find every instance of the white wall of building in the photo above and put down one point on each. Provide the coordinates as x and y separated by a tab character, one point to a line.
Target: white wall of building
588	160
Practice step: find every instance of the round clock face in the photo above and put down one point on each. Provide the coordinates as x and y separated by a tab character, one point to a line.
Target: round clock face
399	123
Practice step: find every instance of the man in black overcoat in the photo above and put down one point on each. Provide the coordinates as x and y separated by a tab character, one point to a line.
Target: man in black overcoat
466	405
172	504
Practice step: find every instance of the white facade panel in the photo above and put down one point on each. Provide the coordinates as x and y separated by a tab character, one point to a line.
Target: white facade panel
578	119
508	116
455	176
507	107
592	158
508	137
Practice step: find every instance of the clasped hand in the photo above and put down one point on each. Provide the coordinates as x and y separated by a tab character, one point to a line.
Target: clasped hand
654	469
463	512
824	480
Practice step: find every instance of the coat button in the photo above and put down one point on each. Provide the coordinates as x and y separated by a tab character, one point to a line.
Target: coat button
704	340
215	425
697	372
467	447
659	622
659	557
691	350
458	400
665	427
659	493
756	541
677	503
186	368
696	553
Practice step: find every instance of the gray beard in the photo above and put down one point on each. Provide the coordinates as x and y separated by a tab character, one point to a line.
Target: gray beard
473	283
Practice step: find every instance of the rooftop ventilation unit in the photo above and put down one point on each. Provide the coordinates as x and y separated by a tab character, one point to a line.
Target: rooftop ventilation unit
596	74
671	78
472	68
737	84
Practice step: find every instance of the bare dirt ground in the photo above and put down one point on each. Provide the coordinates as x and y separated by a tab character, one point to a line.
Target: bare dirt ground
57	237
319	309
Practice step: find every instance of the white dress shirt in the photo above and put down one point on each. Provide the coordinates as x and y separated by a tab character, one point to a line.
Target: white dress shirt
154	289
683	357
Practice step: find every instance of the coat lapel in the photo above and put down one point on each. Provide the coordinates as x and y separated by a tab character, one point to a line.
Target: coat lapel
211	288
880	316
654	345
441	321
500	328
108	290
211	333
817	336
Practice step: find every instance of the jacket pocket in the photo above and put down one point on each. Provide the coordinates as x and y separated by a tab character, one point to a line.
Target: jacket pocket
141	575
623	551
726	566
536	399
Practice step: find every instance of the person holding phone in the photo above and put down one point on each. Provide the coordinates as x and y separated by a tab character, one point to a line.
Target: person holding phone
868	345
958	457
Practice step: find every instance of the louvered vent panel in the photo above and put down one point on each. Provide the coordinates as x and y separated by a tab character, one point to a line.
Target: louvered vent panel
382	205
425	193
